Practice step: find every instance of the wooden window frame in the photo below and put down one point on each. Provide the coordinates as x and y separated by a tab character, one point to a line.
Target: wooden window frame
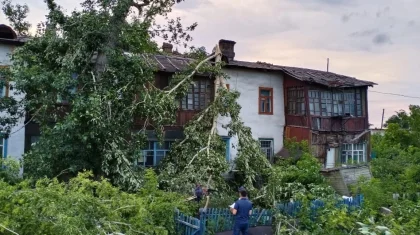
338	104
261	98
296	104
209	95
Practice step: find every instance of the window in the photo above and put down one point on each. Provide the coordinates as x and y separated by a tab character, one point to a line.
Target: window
226	139
353	153
337	103
3	91
34	139
326	103
154	153
198	96
314	105
265	101
358	103
267	146
295	101
3	147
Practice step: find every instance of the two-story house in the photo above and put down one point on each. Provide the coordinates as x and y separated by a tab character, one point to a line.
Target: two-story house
262	102
328	110
12	146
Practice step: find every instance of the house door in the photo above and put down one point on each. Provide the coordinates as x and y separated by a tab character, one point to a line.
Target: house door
331	158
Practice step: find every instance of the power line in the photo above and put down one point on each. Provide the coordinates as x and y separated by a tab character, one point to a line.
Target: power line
386	93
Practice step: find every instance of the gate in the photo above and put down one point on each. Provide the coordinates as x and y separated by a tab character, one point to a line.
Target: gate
215	220
186	225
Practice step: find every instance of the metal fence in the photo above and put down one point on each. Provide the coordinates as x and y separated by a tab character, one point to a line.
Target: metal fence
215	220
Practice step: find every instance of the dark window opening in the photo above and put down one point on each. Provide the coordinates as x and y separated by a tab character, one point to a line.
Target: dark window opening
199	96
295	101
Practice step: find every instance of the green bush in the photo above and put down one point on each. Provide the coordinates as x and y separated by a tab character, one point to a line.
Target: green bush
84	206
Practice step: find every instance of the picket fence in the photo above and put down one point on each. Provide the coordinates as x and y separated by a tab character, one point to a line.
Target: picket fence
214	220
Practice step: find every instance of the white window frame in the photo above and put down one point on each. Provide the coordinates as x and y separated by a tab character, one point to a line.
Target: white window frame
268	151
351	151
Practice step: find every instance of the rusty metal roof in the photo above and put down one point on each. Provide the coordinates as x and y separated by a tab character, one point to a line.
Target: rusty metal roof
175	63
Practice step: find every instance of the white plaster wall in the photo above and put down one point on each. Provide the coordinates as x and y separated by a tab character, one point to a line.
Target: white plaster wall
247	82
16	141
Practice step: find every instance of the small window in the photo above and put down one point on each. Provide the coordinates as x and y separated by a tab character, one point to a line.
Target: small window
199	95
3	147
34	139
353	153
227	142
153	153
266	101
267	146
296	101
3	92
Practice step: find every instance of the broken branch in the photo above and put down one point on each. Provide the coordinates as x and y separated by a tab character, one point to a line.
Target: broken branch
140	6
193	72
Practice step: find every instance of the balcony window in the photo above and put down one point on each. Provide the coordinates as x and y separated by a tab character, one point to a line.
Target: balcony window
353	153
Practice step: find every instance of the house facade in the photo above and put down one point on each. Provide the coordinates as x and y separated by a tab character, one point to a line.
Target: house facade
328	110
13	145
262	103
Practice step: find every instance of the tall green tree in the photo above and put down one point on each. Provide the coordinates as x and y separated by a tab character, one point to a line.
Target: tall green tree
17	14
85	77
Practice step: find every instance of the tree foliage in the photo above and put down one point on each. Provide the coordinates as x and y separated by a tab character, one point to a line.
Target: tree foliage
84	206
17	14
85	77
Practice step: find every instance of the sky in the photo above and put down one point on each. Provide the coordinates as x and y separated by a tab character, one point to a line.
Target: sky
375	40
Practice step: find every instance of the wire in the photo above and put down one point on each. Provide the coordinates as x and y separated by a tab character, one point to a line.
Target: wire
385	93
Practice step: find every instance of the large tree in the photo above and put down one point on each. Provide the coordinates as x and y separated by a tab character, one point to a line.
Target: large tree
86	76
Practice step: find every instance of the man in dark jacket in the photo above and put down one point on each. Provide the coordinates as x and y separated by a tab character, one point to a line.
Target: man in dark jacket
242	209
198	193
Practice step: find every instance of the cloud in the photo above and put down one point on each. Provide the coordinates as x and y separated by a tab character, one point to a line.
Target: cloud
381	38
364	33
411	23
325	2
382	12
346	17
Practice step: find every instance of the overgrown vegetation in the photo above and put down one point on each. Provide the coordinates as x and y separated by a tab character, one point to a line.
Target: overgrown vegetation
84	206
104	55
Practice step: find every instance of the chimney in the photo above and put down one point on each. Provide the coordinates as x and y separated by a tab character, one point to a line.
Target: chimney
167	47
228	48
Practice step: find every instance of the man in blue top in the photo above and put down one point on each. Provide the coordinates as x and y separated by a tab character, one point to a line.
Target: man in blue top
242	210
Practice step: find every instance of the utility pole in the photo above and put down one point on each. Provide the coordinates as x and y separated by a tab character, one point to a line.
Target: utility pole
382	122
328	64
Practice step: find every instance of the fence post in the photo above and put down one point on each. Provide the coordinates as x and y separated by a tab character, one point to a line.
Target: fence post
202	222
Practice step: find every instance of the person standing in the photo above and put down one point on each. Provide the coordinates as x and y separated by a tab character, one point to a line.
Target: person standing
198	193
241	209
